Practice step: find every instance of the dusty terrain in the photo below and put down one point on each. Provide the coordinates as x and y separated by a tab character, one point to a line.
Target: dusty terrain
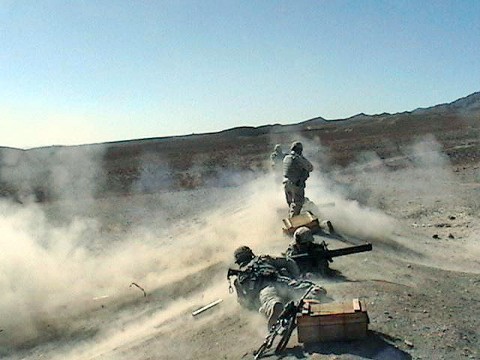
80	225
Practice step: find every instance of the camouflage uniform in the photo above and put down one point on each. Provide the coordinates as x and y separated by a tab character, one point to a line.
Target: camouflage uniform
313	262
261	289
276	157
276	160
296	170
267	283
313	257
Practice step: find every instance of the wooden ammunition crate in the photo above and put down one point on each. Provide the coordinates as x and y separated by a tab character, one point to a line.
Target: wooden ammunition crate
305	219
332	322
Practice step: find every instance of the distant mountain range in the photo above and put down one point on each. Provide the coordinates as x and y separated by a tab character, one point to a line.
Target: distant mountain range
189	161
467	107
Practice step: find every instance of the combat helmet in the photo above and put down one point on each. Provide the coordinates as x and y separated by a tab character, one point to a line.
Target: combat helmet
303	235
297	147
243	255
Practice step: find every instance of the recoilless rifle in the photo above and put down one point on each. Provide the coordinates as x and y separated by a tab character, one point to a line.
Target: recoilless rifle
321	251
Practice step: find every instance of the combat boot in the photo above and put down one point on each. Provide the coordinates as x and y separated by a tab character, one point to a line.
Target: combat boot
276	311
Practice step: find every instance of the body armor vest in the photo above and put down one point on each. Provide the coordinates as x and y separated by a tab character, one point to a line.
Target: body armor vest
293	170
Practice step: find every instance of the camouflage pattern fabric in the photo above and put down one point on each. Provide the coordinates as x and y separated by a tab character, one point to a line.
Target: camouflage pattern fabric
295	196
276	158
271	295
259	287
314	262
296	170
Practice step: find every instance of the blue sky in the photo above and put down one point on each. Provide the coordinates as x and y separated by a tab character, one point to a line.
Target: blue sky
77	72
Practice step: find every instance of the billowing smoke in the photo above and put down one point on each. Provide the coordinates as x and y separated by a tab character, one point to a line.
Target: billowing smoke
422	172
155	175
330	197
54	173
50	272
65	261
67	266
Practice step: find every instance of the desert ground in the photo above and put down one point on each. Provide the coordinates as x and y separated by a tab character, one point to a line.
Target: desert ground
116	274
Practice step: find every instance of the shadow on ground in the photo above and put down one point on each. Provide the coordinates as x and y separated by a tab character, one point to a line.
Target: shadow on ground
375	346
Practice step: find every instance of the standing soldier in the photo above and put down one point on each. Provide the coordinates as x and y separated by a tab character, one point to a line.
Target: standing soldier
296	170
276	157
276	161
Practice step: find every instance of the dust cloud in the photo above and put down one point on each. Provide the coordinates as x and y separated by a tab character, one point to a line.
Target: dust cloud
66	279
66	267
330	197
385	200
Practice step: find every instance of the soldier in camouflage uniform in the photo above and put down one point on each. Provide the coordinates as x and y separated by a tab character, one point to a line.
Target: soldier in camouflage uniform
266	283
276	161
311	258
296	170
276	157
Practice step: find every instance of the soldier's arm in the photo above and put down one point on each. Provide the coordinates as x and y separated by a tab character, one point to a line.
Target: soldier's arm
293	268
290	250
290	265
307	165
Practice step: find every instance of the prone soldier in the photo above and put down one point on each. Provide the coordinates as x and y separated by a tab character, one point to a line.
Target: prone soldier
309	256
314	258
266	283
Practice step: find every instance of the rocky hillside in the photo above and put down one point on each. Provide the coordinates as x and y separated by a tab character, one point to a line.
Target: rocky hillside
156	164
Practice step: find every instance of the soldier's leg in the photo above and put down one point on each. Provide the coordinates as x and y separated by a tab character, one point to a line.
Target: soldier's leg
278	176
271	304
288	193
317	293
298	200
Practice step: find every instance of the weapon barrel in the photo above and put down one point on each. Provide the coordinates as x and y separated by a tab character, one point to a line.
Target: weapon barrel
350	250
